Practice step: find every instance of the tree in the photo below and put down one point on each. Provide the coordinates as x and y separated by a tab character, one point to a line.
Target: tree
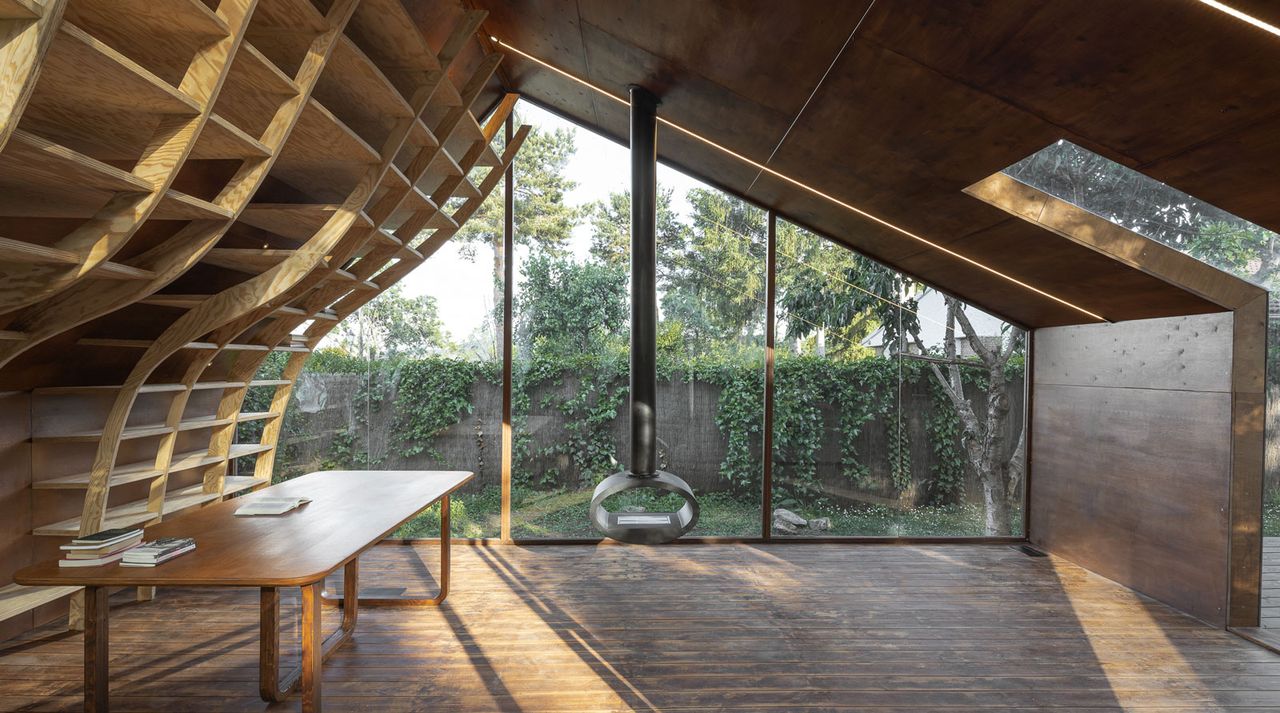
543	216
982	421
611	228
571	308
393	325
1242	249
715	276
826	289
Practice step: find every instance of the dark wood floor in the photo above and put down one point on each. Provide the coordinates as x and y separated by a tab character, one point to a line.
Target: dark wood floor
1271	583
690	628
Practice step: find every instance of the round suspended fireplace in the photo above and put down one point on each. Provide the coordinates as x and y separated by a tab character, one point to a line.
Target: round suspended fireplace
645	528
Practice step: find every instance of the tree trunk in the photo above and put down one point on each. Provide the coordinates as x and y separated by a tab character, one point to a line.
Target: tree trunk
983	435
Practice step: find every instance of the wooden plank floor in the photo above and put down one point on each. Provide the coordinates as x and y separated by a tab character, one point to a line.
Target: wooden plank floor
1270	583
689	628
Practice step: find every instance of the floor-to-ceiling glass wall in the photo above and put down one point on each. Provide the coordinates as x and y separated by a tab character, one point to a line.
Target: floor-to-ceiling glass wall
570	386
878	379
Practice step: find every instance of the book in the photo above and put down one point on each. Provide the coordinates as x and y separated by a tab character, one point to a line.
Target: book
152	553
108	559
271	506
103	538
88	554
165	558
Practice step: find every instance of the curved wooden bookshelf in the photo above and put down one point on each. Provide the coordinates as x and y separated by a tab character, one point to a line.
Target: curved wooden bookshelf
184	189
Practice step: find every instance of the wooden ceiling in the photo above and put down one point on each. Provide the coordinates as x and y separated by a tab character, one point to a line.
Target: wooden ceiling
928	97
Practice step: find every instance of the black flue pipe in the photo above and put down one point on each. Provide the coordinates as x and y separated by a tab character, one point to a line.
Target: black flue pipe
644	281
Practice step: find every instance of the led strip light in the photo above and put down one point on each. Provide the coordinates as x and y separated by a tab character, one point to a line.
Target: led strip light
760	166
1264	26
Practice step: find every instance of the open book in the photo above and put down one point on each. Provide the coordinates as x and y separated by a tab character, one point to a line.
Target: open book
271	506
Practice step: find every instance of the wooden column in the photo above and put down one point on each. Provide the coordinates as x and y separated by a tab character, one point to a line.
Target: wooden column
508	306
770	334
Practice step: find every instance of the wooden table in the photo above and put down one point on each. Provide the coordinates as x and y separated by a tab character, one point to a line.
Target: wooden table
349	512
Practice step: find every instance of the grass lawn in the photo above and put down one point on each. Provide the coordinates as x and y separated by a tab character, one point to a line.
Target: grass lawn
563	514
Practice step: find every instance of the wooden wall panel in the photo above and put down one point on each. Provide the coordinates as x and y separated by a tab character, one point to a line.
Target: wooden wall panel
1132	466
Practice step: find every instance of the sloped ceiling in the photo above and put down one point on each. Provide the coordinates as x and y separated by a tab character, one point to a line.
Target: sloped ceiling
928	97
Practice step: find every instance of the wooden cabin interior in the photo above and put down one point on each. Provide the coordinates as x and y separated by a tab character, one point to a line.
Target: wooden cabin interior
197	195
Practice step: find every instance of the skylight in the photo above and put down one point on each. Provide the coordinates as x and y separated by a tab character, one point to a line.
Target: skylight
1154	210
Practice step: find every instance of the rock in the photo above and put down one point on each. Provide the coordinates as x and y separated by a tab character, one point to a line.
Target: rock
783	526
632	508
781	515
820	523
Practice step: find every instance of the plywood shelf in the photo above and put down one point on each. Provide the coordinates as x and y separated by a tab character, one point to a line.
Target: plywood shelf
221	139
319	130
32	254
136	343
204	385
296	221
175	205
248	260
135	513
233	484
422	136
173	300
131	514
15	598
94	435
269	382
324	159
263	74
131	472
355	90
115	84
161	36
240	450
145	389
256	416
383	30
289	15
133	432
196	424
34	160
175	17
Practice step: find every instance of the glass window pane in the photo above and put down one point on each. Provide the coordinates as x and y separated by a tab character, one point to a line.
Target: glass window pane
868	401
570	380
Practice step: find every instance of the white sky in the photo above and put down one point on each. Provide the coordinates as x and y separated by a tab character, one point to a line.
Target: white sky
462	288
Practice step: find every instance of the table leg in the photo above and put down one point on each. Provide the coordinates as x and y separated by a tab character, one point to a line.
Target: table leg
312	647
95	649
271	686
351	593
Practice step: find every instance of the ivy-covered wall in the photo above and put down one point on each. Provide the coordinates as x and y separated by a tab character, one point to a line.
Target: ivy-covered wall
843	428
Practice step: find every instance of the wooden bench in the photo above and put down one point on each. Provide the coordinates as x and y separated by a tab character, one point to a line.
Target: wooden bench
349	512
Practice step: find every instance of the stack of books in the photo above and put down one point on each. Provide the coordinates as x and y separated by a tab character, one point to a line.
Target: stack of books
153	553
101	547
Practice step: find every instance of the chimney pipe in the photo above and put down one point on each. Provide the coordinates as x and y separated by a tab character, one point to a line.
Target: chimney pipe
644	282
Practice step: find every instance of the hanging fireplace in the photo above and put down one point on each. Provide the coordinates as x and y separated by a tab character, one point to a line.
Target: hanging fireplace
647	527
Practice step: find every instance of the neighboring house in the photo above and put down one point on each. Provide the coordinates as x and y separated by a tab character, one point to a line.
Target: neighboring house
932	310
